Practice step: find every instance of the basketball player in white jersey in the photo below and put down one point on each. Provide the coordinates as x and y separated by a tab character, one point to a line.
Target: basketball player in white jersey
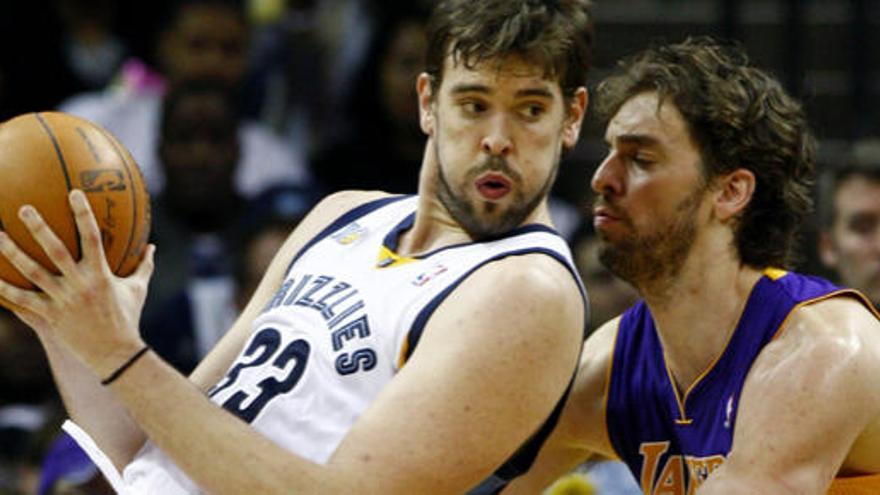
411	345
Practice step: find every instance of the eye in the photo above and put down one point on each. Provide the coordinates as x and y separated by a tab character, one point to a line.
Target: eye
863	223
640	160
532	111
473	107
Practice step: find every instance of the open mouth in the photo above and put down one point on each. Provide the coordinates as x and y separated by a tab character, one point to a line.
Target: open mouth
493	186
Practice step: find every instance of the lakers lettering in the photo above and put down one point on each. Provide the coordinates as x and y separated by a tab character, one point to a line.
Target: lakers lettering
678	475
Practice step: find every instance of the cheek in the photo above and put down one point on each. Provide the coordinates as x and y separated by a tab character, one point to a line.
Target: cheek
538	153
455	142
643	199
853	245
458	134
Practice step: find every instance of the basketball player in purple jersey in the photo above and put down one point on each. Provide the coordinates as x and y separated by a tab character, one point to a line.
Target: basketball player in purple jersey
732	375
397	345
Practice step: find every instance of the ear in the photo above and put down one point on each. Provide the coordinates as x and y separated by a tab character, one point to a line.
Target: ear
426	103
734	193
577	108
827	252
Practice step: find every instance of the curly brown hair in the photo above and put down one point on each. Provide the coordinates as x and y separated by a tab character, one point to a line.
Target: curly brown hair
740	117
554	34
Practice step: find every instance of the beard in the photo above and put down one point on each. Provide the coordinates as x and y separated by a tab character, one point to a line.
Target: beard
486	220
645	259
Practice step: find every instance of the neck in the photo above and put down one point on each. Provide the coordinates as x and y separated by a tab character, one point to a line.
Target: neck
697	312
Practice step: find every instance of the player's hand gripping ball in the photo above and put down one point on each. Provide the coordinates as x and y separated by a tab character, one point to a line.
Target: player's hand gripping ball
43	156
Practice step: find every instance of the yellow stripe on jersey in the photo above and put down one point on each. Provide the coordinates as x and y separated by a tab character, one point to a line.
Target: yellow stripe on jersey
404	350
388	258
858	485
775	274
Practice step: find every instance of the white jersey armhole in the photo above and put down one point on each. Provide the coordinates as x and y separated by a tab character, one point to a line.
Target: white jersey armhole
85	441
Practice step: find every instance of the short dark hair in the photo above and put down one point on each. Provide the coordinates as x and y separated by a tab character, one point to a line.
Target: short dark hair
863	161
555	34
739	117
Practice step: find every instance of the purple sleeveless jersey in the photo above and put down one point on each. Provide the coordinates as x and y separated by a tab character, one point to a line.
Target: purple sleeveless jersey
671	446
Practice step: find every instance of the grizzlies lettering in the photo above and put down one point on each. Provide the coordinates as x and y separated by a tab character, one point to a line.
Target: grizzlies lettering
342	311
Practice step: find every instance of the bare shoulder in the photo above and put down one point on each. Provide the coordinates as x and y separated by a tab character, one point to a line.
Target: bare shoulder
820	374
532	292
840	332
833	343
494	359
529	275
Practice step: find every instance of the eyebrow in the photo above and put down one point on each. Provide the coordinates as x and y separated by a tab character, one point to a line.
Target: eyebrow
470	88
637	139
482	88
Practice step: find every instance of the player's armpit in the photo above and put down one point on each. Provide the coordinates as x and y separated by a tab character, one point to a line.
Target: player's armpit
491	365
809	397
217	362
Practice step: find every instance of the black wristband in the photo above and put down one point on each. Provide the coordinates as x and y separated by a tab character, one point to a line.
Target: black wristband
119	371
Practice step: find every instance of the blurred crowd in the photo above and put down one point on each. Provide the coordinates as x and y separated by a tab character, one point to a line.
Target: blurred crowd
242	114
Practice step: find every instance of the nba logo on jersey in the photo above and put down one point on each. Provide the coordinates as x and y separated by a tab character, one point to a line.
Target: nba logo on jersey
349	233
426	277
728	411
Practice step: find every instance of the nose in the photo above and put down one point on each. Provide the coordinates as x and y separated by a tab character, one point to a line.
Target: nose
497	140
607	178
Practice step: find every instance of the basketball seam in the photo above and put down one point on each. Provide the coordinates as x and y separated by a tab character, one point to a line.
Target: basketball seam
63	163
134	217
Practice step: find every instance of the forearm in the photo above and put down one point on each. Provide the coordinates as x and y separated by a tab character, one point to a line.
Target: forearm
205	440
94	407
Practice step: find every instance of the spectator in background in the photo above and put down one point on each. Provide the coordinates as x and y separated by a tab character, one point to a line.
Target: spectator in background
202	39
268	222
849	206
195	218
382	147
91	50
199	219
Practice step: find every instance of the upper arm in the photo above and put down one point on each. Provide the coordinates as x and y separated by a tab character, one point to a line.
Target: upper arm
581	431
806	399
493	361
216	363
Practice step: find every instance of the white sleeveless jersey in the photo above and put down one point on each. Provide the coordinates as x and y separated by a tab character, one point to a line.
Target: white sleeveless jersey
341	325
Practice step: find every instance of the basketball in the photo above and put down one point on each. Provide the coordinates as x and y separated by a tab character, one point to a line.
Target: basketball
45	155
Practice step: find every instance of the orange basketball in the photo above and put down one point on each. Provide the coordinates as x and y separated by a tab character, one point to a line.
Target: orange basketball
43	156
